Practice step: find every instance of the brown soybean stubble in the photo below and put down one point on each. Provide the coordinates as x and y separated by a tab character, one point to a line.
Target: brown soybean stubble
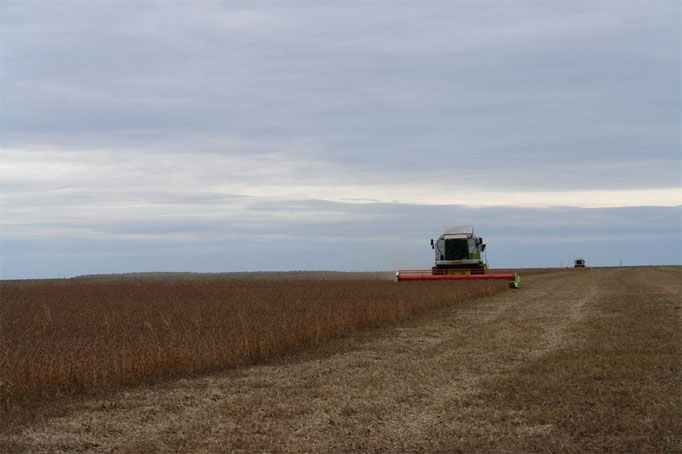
87	335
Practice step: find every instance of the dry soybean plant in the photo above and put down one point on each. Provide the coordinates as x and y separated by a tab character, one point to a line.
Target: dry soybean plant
73	336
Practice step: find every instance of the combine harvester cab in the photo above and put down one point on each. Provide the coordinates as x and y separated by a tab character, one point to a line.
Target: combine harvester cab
458	255
458	250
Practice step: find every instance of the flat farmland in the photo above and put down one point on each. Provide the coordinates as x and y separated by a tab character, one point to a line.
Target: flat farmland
585	361
74	336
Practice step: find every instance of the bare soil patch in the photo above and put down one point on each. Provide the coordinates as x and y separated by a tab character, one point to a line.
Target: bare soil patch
572	362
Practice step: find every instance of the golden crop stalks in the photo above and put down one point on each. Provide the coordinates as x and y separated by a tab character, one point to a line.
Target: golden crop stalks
58	337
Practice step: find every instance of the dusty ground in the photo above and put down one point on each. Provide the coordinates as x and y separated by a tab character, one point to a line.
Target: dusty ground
420	386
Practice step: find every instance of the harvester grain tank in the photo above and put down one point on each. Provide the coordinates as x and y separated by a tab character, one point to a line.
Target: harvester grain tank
458	255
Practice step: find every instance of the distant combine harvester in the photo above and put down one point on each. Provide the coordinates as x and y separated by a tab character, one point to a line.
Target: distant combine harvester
579	263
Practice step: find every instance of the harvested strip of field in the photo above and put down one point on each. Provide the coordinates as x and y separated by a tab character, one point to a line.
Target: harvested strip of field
72	336
615	385
572	362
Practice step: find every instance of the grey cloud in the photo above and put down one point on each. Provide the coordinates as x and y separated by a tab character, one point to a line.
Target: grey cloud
146	118
356	237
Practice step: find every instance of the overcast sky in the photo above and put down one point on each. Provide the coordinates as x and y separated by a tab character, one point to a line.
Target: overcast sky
227	136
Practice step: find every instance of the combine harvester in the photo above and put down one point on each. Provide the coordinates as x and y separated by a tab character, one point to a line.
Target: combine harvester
458	256
579	264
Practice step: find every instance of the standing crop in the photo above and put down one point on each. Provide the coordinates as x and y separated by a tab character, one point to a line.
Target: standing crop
70	336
